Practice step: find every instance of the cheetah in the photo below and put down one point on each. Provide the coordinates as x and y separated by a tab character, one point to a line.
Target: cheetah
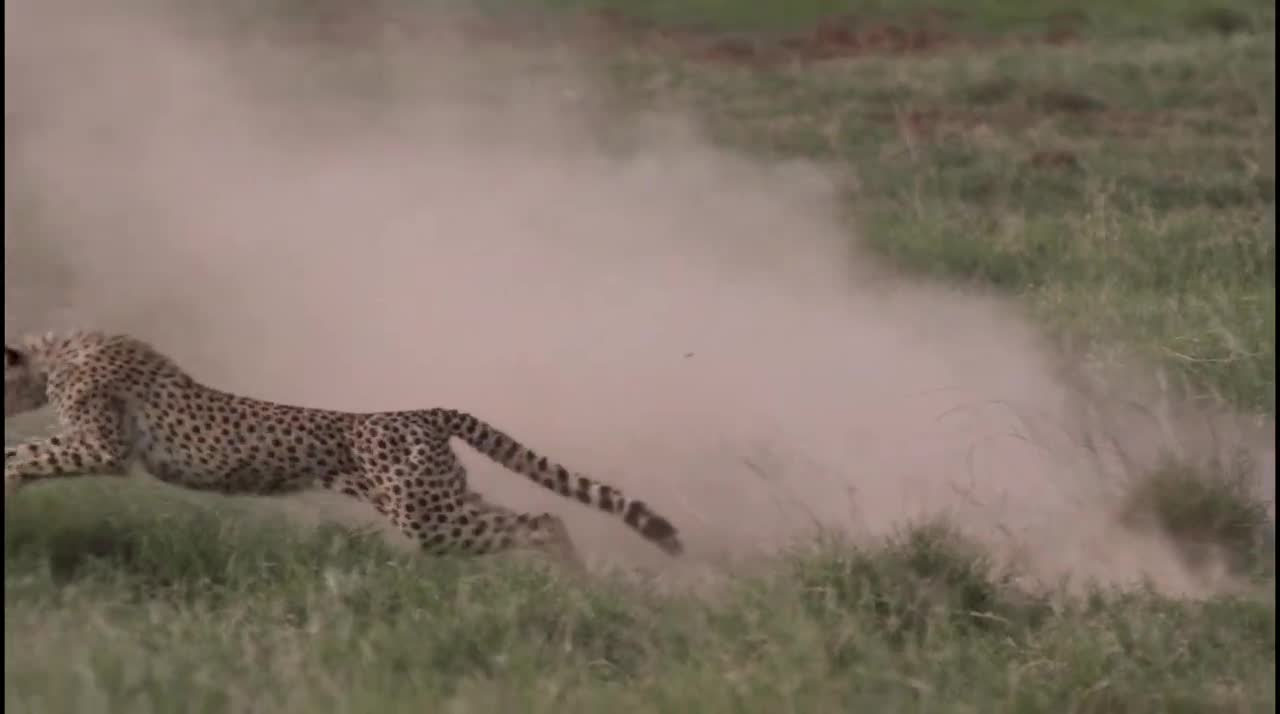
119	400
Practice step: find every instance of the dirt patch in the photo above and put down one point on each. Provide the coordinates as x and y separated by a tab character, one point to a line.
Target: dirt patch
833	38
1050	159
445	224
938	123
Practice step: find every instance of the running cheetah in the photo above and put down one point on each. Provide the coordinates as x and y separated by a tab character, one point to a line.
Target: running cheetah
119	399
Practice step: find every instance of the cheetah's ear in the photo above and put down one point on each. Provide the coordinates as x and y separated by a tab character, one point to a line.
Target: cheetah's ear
12	357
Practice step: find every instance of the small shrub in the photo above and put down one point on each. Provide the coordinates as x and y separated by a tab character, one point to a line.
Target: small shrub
1207	511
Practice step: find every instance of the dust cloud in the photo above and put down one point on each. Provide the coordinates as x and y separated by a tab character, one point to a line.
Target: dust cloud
396	219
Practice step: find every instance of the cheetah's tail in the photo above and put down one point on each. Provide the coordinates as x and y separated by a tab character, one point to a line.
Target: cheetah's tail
505	450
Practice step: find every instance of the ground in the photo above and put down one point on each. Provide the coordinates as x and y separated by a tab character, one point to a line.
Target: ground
1108	171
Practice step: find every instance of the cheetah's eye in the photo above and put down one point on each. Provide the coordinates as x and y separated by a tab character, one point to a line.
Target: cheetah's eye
12	357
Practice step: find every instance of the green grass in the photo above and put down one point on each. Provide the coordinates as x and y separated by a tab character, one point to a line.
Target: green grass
125	598
1122	188
982	16
1207	512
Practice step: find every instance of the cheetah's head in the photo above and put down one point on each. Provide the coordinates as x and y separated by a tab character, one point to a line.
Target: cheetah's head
25	382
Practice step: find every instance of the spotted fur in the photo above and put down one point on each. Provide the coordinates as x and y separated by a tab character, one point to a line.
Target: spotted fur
119	400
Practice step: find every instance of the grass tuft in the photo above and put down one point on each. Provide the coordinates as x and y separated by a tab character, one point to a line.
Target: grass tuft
1208	511
176	605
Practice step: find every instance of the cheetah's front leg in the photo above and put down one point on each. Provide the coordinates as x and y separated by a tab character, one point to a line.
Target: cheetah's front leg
64	455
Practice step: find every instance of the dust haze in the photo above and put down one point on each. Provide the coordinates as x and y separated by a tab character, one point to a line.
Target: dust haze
400	219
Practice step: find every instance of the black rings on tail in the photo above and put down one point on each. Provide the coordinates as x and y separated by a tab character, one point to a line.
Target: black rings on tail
505	450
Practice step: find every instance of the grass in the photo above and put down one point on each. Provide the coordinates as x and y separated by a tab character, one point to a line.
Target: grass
1207	512
987	16
1122	187
112	605
1124	190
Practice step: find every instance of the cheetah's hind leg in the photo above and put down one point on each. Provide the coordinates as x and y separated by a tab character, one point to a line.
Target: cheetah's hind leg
444	517
545	532
468	524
